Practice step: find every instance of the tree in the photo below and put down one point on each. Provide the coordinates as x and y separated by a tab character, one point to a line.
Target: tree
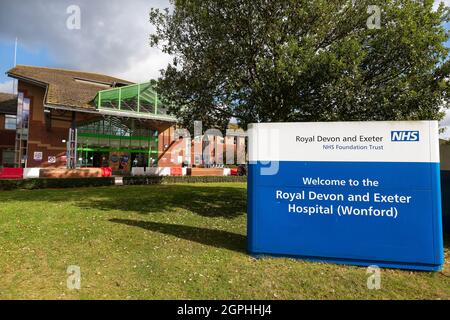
302	60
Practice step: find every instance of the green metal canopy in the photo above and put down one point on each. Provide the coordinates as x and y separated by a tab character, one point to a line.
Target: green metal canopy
137	100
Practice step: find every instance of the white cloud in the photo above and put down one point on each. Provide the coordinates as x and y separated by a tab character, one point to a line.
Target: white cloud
144	69
114	35
446	124
437	2
113	39
446	121
6	87
446	134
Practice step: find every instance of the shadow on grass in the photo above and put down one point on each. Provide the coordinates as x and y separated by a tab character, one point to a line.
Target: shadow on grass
209	201
215	238
228	202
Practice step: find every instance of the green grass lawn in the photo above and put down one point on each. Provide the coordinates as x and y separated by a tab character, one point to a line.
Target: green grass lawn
166	242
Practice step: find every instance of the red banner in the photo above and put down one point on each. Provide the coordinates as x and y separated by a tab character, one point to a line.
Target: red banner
11	173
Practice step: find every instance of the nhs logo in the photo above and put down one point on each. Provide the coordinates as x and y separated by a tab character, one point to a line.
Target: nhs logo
405	136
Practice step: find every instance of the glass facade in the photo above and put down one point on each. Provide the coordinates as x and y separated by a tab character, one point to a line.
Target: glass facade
138	99
111	142
10	122
7	159
22	123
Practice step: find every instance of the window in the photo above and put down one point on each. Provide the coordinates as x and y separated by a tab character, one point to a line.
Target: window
103	85
10	122
8	158
23	112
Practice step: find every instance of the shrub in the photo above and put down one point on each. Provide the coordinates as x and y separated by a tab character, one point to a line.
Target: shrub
184	179
30	184
45	183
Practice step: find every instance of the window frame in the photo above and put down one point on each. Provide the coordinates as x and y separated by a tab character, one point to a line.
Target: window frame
11	153
11	117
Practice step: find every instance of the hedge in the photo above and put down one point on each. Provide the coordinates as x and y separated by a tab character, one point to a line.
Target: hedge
183	179
55	183
30	184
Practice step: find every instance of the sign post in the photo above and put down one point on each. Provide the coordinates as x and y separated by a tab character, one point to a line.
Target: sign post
361	193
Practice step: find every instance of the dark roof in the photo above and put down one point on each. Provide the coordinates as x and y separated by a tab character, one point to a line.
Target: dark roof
8	103
67	88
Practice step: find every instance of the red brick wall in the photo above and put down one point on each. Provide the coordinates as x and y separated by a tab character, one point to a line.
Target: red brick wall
176	147
49	142
42	139
68	173
7	138
168	146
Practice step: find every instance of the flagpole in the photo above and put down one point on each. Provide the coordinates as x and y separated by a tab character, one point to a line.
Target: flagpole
15	63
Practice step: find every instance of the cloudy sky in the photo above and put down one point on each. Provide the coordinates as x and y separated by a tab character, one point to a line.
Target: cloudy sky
113	38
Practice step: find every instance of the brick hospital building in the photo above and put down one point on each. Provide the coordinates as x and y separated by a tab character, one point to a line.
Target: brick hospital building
63	118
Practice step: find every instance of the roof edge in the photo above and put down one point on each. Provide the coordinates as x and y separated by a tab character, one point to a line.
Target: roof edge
26	79
70	108
71	70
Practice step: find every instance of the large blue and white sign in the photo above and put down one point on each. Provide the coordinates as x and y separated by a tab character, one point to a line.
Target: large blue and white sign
363	193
